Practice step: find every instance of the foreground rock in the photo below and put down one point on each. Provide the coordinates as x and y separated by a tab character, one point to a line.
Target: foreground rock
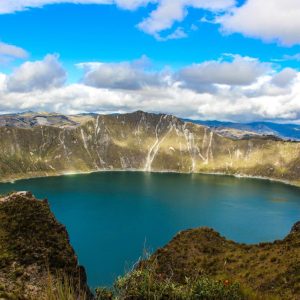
271	269
34	250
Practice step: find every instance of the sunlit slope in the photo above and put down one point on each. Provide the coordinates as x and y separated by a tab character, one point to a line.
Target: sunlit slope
141	141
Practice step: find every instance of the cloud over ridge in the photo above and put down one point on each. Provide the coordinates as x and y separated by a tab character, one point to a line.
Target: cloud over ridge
37	75
124	75
232	88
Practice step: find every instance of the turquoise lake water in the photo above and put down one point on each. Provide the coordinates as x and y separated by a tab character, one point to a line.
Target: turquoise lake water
112	216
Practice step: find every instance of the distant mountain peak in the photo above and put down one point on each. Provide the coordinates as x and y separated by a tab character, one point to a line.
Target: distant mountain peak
283	131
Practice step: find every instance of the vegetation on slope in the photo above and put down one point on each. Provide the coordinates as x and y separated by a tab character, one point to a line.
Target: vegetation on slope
33	248
147	285
271	269
142	141
201	264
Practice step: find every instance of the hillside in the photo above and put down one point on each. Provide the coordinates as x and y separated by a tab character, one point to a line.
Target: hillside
138	141
35	251
270	269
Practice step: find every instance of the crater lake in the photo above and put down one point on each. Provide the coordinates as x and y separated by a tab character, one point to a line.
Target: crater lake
112	217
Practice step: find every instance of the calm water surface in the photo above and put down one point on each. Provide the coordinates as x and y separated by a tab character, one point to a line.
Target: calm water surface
112	216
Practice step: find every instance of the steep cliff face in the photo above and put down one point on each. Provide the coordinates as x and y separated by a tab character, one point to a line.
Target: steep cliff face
139	141
34	250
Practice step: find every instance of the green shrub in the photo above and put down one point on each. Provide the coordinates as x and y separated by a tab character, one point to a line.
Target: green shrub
205	288
104	294
63	288
144	285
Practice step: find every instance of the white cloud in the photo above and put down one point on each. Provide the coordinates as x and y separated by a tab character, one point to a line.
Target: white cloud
169	12
133	4
253	90
241	71
284	78
10	52
278	84
177	34
37	75
9	6
13	51
181	102
165	14
124	75
269	20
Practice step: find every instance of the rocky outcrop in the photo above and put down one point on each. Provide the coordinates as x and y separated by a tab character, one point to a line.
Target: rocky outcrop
139	141
34	250
296	228
271	269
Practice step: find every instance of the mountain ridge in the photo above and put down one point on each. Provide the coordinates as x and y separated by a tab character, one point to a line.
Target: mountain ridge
284	131
29	119
139	141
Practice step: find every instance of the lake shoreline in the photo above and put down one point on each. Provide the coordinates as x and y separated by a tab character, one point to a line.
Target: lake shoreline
55	174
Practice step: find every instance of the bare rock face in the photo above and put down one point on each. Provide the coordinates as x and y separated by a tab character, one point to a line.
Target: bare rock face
34	249
55	144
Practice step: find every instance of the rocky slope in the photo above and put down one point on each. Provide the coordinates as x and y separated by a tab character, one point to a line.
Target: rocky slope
34	250
270	269
50	144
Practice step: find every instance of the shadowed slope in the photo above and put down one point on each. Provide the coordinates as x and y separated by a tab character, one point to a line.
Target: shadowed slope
33	245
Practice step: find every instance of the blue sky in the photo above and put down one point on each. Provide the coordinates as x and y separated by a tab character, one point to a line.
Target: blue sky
106	33
180	38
